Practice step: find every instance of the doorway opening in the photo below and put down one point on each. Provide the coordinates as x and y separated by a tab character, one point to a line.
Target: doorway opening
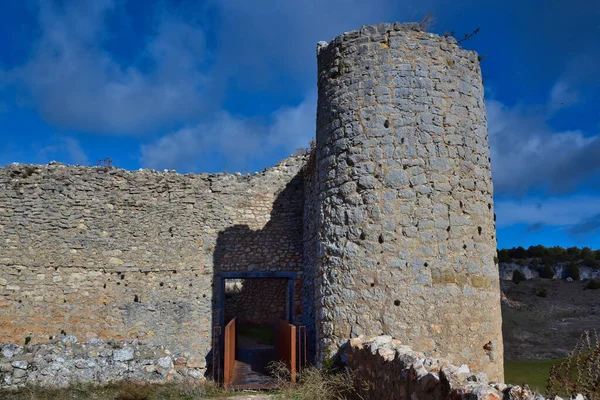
256	303
256	313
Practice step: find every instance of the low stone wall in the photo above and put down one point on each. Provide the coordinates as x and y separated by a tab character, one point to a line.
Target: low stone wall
66	361
383	368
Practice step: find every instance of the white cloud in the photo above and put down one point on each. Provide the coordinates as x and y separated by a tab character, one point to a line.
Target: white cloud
555	211
528	155
65	148
237	140
268	36
562	95
76	84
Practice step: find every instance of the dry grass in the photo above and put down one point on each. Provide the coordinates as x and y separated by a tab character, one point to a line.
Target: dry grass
580	371
119	391
313	384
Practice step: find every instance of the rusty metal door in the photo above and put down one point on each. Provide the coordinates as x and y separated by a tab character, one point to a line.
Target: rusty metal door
229	353
286	345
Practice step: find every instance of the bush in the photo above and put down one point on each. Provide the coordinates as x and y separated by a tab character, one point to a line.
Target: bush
580	371
518	277
573	272
518	252
503	256
593	284
592	263
536	251
546	272
542	293
574	253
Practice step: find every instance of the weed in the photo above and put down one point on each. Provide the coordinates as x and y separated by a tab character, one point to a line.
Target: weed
580	371
313	384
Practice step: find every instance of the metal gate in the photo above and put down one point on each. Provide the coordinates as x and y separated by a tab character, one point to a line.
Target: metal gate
229	353
285	345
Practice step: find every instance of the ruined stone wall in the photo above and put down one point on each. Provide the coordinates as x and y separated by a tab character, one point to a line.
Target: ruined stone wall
384	368
65	361
404	184
131	255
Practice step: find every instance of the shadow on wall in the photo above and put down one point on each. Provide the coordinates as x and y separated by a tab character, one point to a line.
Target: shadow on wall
275	249
256	301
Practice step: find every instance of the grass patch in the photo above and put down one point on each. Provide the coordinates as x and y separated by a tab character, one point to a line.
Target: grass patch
263	334
533	373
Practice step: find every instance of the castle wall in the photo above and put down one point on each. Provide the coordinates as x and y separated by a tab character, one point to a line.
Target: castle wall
257	301
404	182
133	255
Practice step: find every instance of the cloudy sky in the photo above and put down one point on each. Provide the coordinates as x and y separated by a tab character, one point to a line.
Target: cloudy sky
229	85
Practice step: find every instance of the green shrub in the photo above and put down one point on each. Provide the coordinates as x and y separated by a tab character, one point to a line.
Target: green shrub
546	272
574	253
503	256
593	284
573	272
518	277
536	251
542	293
518	252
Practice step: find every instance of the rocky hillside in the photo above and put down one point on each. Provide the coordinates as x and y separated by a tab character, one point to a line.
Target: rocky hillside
550	296
531	269
544	318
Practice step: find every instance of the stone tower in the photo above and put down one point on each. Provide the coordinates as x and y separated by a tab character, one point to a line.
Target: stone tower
407	240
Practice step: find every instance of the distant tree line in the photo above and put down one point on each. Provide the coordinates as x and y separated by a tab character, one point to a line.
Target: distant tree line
550	256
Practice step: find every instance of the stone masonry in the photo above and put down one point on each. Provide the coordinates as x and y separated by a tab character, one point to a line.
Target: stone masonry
257	301
408	240
384	368
65	361
104	253
388	225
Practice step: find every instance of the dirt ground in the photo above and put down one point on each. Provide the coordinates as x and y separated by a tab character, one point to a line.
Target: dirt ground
536	327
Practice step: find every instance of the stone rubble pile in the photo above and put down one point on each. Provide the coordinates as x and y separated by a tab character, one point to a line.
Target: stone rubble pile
384	368
66	361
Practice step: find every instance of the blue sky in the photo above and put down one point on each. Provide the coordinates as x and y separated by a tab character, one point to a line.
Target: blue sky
229	85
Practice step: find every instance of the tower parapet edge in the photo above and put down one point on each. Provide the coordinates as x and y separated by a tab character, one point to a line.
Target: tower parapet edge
407	242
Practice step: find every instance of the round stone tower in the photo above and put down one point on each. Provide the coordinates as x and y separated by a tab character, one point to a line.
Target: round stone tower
407	241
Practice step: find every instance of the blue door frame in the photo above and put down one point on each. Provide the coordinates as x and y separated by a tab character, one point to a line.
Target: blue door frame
290	276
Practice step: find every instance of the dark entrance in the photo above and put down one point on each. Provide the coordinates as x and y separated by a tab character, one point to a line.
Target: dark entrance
256	311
